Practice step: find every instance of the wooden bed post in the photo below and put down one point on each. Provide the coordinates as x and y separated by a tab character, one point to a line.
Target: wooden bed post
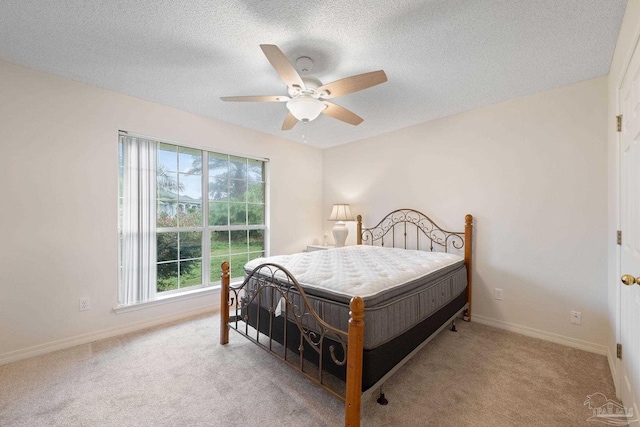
354	363
468	220
224	303
359	230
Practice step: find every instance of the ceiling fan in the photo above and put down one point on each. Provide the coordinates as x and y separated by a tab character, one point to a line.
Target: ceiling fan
307	95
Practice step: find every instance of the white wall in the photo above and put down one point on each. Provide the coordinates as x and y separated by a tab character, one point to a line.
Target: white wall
533	172
58	222
627	39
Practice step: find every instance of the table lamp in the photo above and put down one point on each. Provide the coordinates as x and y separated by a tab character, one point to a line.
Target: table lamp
340	214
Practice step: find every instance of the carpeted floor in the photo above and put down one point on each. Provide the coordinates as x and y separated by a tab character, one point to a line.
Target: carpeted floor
178	375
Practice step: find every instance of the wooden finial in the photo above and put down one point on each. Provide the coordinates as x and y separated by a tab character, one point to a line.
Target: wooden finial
359	230
225	266
357	308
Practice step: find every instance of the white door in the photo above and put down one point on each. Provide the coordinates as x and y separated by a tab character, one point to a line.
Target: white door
630	226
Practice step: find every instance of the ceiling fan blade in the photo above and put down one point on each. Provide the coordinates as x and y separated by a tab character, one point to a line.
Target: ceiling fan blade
289	122
352	84
341	113
282	65
275	98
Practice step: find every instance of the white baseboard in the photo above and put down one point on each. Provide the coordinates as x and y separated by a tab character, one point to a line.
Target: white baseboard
14	356
543	335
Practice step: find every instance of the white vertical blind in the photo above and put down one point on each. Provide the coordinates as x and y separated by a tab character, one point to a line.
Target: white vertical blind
138	282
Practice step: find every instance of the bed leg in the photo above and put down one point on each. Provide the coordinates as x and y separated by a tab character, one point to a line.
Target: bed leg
468	241
381	399
224	304
355	343
453	326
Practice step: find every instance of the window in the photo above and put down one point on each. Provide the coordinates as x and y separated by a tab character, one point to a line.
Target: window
184	211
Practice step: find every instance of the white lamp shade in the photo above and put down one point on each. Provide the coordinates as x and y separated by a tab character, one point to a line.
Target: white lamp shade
305	108
341	213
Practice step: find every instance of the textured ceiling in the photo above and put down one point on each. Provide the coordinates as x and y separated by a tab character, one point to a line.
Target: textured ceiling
441	56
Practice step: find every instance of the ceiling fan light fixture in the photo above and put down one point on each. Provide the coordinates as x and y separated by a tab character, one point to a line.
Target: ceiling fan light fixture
305	108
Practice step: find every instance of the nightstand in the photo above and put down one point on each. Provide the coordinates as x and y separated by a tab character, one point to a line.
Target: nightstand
312	248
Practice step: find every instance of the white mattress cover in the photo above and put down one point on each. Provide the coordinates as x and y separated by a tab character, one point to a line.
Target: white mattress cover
361	270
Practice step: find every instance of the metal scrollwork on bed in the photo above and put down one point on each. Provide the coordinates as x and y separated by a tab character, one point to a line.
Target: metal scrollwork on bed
401	218
435	235
271	291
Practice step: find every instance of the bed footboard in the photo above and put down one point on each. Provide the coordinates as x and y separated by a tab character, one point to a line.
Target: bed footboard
272	288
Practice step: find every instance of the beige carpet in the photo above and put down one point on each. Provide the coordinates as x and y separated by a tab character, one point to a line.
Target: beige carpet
178	375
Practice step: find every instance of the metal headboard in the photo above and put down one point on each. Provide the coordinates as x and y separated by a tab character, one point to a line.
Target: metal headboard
400	220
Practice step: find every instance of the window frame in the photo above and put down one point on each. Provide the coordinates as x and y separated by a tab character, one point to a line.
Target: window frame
204	228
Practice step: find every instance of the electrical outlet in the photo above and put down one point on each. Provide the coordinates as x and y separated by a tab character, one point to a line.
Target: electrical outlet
85	303
498	293
576	317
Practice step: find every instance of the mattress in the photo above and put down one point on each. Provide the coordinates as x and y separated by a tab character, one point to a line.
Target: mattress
400	288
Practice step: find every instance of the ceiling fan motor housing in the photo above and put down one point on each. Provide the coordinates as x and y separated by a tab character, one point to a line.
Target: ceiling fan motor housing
311	85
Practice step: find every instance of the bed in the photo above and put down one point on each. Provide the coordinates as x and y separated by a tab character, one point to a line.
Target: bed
407	278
